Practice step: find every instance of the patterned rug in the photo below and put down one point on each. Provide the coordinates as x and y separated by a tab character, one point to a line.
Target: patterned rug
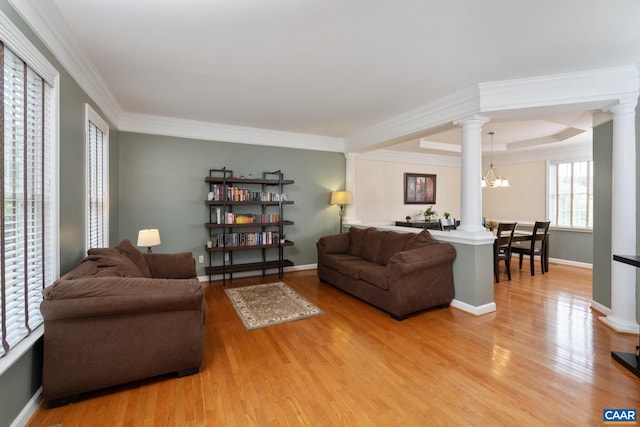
269	304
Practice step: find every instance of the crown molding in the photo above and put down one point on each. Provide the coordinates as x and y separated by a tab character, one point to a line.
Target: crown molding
592	89
410	124
157	125
39	16
395	156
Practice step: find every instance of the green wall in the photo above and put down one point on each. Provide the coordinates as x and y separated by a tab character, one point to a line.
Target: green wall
23	379
162	186
602	181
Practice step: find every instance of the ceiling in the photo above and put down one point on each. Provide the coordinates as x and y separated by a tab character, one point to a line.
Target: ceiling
337	67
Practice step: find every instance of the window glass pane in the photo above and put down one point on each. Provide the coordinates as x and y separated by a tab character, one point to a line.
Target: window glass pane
571	194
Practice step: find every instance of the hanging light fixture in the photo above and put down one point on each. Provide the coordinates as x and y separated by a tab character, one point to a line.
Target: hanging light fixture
491	178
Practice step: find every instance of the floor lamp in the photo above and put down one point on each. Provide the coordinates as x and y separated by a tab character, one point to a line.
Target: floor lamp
341	198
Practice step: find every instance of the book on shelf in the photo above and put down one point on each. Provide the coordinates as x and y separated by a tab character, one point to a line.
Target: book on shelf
240	218
249	238
231	193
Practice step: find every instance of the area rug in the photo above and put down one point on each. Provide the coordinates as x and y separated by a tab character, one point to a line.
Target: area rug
259	306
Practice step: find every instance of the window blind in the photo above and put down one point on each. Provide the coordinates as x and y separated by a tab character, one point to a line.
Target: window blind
97	177
26	223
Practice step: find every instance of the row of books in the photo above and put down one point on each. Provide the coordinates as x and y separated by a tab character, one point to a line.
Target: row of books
234	218
238	194
249	238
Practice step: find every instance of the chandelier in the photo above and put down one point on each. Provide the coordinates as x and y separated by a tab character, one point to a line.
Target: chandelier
492	178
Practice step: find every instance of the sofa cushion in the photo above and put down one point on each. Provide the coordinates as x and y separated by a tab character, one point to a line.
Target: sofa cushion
421	239
354	267
392	244
126	248
111	262
356	240
372	243
377	275
335	261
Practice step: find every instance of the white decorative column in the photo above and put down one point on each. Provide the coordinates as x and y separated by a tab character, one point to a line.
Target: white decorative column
623	219
471	174
351	216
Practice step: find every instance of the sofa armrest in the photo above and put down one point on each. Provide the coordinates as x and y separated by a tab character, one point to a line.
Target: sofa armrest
107	296
179	265
334	244
422	258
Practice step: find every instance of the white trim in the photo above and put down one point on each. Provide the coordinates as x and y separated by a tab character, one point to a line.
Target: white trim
13	38
479	310
15	353
408	125
38	15
29	409
157	125
600	308
571	263
396	156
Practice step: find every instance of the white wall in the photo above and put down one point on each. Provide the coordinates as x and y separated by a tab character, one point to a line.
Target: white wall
525	198
380	186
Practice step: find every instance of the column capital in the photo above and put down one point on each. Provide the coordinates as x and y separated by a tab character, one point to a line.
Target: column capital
475	119
351	155
627	106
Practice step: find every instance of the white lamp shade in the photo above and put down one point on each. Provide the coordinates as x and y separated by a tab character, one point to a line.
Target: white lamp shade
341	198
149	237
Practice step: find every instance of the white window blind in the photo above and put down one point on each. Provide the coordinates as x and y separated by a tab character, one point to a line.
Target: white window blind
27	220
571	194
97	149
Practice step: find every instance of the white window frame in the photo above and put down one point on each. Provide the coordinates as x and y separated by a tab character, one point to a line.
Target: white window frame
91	116
551	215
19	44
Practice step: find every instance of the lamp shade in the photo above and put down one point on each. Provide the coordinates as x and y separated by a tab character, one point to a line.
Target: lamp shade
149	237
341	198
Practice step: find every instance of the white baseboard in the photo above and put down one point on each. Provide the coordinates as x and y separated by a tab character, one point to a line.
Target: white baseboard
571	263
600	308
472	309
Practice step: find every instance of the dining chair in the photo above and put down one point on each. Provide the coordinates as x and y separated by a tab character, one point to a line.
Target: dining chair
502	248
537	246
448	224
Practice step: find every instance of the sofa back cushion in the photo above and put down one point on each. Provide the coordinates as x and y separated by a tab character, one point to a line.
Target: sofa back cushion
126	248
111	262
421	239
356	240
393	243
372	244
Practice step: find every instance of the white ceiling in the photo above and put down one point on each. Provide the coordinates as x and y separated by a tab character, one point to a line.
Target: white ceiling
336	67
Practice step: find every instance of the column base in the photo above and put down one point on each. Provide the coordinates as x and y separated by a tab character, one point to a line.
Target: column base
621	325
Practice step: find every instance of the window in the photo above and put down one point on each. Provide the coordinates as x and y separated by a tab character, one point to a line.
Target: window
97	149
28	224
571	194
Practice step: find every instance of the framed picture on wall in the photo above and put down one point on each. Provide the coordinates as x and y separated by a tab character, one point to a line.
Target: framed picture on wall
419	189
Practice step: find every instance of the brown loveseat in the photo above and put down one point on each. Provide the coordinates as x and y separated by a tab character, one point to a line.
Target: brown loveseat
120	316
400	273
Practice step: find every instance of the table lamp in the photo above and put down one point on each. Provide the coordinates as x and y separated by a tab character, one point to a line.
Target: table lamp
148	238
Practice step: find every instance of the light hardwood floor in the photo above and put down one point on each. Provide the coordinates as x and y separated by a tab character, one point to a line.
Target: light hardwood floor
542	358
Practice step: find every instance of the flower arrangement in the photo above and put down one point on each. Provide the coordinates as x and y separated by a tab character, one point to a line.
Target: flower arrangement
491	224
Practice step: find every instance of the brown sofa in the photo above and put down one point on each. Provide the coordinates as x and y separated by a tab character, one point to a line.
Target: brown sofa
120	316
400	273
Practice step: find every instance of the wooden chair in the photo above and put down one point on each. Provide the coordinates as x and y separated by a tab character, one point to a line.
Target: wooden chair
448	224
537	246
502	248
